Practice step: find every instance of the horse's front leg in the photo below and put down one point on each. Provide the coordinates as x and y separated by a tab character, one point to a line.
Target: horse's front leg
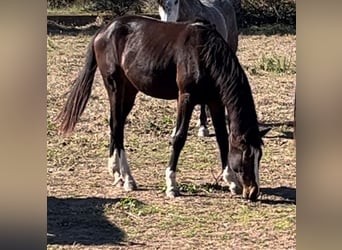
184	112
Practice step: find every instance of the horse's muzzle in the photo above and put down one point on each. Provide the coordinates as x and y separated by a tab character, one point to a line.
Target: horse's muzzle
250	193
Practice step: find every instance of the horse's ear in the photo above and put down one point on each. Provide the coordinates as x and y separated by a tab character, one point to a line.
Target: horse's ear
264	131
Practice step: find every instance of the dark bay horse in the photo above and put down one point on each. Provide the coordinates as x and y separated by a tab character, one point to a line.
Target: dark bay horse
189	62
220	13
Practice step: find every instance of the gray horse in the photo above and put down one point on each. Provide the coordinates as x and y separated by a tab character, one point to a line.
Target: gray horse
220	13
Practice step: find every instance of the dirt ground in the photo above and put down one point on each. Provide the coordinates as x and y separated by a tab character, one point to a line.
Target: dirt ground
85	210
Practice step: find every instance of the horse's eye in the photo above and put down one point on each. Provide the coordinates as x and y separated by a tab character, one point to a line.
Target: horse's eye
176	2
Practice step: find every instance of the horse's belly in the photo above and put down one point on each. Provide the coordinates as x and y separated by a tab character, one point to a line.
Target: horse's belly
167	95
157	87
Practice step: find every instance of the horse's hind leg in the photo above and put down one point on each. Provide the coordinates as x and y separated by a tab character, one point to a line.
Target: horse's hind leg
121	102
217	112
203	130
184	111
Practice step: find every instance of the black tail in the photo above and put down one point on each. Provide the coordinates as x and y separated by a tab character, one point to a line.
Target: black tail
80	93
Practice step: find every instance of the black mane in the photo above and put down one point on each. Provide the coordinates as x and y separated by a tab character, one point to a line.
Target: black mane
236	94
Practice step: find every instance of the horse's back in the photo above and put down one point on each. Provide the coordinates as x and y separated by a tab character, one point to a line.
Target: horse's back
154	56
146	51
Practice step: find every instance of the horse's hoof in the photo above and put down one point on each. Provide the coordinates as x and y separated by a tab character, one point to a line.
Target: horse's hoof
172	193
130	185
118	183
203	132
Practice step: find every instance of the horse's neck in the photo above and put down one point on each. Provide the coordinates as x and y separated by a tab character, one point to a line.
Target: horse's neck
189	9
241	112
241	126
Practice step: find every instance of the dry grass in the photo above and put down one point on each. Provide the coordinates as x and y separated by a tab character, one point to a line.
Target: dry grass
86	211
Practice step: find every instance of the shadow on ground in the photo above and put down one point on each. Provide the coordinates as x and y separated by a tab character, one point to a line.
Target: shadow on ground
287	195
268	30
81	221
286	134
54	28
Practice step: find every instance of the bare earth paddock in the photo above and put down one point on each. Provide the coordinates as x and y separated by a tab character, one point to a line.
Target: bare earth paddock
85	211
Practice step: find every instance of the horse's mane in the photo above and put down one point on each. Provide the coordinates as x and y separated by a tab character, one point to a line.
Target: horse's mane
230	78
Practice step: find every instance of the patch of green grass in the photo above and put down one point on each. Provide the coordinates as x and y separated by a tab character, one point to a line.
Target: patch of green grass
191	232
284	224
191	188
135	206
167	119
246	215
51	126
188	188
276	64
243	215
51	154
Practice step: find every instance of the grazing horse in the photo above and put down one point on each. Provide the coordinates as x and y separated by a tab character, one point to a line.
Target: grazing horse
220	13
186	61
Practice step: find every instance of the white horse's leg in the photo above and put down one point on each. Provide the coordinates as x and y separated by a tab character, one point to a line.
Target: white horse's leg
119	168
114	169
173	132
129	182
171	185
203	131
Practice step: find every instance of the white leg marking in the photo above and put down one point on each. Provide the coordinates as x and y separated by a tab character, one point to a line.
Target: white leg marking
114	169
203	131
171	185
173	132
129	183
113	163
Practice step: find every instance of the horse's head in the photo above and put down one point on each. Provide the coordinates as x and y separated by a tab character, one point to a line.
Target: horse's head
168	10
244	160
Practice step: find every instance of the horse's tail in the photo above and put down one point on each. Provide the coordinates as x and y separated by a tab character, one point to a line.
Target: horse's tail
79	94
